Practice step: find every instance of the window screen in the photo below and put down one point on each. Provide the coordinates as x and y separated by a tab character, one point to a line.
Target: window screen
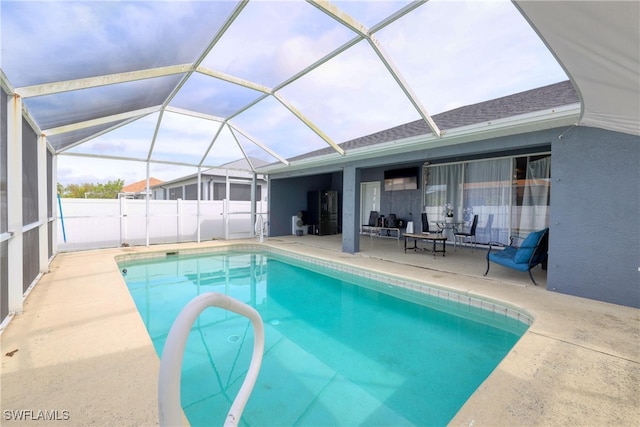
175	193
240	192
30	257
4	280
219	191
29	174
191	192
3	164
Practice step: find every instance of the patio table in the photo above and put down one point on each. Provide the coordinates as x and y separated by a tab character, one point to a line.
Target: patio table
450	227
425	237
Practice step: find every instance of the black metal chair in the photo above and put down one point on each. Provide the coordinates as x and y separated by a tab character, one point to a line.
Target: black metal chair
469	236
373	218
426	228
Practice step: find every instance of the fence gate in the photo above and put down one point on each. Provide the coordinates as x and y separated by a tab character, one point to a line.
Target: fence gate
238	221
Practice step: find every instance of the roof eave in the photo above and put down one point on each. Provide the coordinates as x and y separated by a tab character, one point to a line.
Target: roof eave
566	115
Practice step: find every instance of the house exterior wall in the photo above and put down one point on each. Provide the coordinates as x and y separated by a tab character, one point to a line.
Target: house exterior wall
594	240
187	189
289	196
594	245
405	204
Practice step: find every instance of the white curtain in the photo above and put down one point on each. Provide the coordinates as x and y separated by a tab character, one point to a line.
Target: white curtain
487	188
443	185
535	203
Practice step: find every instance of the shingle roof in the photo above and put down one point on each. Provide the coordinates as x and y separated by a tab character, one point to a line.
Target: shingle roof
539	99
139	186
244	164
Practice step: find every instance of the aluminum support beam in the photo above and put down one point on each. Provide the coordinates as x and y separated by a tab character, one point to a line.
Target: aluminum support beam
43	232
91	82
14	203
309	123
101	121
258	143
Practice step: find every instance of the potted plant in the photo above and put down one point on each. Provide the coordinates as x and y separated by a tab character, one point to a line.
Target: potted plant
447	211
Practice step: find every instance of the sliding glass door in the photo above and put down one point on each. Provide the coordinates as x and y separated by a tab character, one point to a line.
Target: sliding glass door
487	193
531	188
443	187
509	195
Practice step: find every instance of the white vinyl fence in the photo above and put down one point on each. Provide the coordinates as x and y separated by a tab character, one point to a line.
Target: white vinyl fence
107	223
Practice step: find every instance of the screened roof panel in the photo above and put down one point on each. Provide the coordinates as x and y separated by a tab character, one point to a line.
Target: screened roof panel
108	169
225	149
351	95
76	106
168	172
371	13
55	41
273	125
216	97
315	62
448	34
268	44
183	139
253	151
131	141
63	140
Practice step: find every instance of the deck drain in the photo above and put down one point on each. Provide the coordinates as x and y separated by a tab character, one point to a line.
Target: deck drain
233	338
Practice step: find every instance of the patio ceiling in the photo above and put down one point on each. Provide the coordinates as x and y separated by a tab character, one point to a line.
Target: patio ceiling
205	83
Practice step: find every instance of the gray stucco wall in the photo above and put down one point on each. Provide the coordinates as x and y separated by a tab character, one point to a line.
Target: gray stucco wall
594	240
405	204
289	196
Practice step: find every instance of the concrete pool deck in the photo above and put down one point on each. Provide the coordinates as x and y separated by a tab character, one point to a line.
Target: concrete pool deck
80	354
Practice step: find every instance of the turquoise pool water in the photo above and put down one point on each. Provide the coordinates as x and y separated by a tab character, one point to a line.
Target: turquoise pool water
340	349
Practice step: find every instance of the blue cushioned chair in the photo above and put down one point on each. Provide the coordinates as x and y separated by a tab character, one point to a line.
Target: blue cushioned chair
531	252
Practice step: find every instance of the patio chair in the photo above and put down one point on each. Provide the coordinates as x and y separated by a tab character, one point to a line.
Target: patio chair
426	228
373	218
465	236
532	252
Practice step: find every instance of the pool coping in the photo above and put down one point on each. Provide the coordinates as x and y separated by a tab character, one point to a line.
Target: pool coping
577	364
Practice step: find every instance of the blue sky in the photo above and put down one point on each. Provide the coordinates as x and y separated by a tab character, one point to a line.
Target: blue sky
451	53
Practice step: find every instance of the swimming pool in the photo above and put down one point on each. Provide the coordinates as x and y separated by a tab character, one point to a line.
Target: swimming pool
340	347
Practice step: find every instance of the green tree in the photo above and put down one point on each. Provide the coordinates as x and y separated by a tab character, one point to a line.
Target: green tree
108	190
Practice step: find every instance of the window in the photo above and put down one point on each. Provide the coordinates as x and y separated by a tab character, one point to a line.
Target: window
219	191
531	191
191	192
238	192
175	193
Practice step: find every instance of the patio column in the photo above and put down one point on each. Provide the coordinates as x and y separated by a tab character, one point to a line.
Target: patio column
350	209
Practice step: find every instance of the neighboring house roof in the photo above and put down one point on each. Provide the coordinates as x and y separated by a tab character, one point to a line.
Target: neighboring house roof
237	169
539	99
140	186
243	164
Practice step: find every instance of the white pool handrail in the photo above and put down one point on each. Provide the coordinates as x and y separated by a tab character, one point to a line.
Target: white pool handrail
170	409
